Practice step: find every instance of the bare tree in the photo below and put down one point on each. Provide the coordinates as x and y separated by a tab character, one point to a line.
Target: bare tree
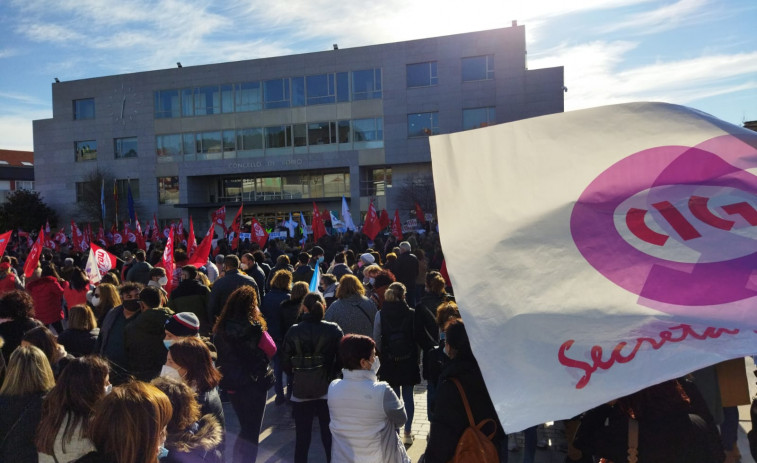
421	190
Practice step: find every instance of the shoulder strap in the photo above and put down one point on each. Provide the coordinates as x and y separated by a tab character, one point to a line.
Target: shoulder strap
465	401
18	420
633	441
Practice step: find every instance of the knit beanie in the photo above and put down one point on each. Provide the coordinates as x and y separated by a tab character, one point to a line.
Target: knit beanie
183	324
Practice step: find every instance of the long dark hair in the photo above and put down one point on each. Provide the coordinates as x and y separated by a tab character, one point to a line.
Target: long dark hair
73	399
79	280
193	355
241	305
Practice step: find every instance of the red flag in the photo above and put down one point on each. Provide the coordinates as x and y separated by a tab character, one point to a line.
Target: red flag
191	241
76	237
371	227
47	227
99	262
260	235
127	234
167	262
140	236
60	237
180	230
219	217
319	229
4	239
419	213
155	233
33	258
101	237
236	227
200	256
384	219
116	237
397	225
87	237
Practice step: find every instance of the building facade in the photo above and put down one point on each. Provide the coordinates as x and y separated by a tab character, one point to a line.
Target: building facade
277	134
16	172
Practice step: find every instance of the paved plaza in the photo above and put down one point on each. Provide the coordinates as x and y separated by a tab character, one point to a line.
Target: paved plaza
277	436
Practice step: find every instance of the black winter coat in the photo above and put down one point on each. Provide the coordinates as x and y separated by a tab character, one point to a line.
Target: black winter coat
222	289
317	337
19	417
270	309
240	359
450	419
406	371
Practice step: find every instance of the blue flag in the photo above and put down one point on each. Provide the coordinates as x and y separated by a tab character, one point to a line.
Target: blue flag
316	276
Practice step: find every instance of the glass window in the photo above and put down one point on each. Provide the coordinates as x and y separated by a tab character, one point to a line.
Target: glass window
207	101
122	186
276	92
335	185
250	139
270	187
321	89
125	147
24	184
366	85
377	181
279	136
478	117
85	150
343	134
84	109
247	97
168	190
298	91
300	135
188	145
342	86
229	144
478	68
209	145
81	191
367	129
232	187
168	146
167	104
293	186
422	74
187	103
227	99
321	133
422	124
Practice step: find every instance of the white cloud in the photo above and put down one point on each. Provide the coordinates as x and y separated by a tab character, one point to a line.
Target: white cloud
667	17
594	78
16	129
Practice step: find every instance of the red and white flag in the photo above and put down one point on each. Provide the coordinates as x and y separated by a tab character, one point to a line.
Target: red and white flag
98	263
371	227
219	217
168	262
397	225
623	256
34	254
319	229
155	229
258	233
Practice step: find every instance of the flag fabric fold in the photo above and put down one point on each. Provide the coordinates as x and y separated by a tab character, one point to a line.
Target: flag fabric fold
619	259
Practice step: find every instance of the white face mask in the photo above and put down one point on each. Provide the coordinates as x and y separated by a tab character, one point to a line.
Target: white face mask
375	366
95	301
108	389
170	372
244	266
163	281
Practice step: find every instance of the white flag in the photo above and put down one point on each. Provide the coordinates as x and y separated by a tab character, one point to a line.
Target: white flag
620	251
346	216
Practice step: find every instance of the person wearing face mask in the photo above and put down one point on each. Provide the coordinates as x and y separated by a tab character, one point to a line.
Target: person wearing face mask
159	280
450	418
327	286
110	342
365	412
143	339
68	407
104	298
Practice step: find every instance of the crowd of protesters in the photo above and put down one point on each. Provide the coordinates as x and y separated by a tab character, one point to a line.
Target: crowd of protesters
134	369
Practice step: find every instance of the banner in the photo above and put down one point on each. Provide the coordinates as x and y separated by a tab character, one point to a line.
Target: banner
99	262
619	250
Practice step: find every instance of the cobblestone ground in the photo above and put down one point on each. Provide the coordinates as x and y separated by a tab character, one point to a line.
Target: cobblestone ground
277	436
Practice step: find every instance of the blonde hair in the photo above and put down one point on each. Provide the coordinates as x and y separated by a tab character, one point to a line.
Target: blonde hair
395	292
81	317
373	268
29	372
348	286
109	298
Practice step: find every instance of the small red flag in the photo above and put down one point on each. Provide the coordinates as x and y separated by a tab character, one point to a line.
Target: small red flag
167	262
191	240
419	213
4	239
384	219
319	229
259	234
371	227
236	227
34	254
200	256
397	225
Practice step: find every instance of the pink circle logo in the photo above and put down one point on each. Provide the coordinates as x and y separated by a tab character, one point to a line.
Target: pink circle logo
675	224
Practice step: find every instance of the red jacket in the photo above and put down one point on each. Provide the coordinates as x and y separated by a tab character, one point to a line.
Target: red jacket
48	296
7	283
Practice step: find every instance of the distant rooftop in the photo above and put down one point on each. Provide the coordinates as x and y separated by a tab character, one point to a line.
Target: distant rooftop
751	125
16	158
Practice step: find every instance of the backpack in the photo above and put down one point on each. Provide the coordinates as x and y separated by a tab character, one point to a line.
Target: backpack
474	446
397	343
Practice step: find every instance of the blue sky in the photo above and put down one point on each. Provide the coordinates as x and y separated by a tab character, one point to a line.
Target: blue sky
699	53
